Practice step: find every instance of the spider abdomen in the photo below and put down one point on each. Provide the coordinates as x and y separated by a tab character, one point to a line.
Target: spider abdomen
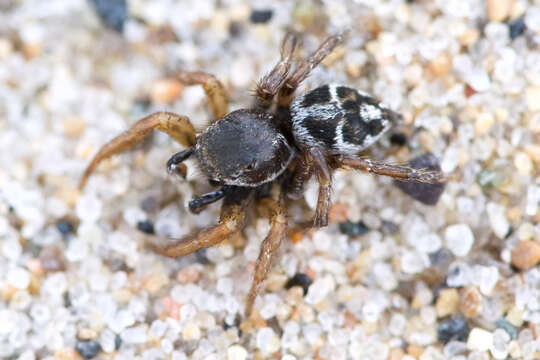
339	119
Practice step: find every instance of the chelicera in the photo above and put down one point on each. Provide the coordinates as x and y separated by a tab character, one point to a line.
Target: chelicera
267	153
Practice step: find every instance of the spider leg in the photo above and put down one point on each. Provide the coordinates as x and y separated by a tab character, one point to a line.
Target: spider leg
177	126
301	174
398	172
197	204
217	96
233	213
278	230
271	82
324	178
174	164
303	70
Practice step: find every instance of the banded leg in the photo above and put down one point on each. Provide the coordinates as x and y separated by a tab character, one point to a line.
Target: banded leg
398	172
301	174
324	177
217	96
270	83
177	126
232	219
304	69
278	230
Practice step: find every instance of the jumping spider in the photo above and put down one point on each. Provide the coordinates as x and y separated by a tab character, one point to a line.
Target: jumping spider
268	152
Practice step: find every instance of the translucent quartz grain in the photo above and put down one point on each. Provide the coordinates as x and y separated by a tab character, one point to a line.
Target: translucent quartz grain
459	239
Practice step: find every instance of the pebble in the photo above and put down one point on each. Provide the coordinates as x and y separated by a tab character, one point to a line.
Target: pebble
113	13
471	302
261	16
398	139
517	28
497	219
267	341
88	349
146	226
526	254
165	91
353	228
338	212
236	352
191	332
479	340
299	279
88	208
523	162
428	194
533	151
484	123
459	239
51	258
447	302
526	231
498	10
440	65
532	97
74	126
18	278
415	350
65	227
188	275
321	287
65	354
486	277
508	327
135	335
413	262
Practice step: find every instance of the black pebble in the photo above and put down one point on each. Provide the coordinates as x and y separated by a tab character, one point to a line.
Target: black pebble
441	258
453	328
149	204
428	194
299	279
117	342
235	28
146	226
353	228
389	227
261	16
113	13
65	227
201	257
516	28
87	348
398	139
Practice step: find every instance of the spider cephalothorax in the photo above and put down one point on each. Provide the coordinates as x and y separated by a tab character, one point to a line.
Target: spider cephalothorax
267	153
243	148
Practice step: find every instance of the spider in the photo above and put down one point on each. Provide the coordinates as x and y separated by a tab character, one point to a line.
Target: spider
266	153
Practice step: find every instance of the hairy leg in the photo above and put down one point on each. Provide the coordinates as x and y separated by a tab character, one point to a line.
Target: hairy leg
217	96
301	174
177	126
304	69
399	172
233	213
270	83
278	230
324	177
